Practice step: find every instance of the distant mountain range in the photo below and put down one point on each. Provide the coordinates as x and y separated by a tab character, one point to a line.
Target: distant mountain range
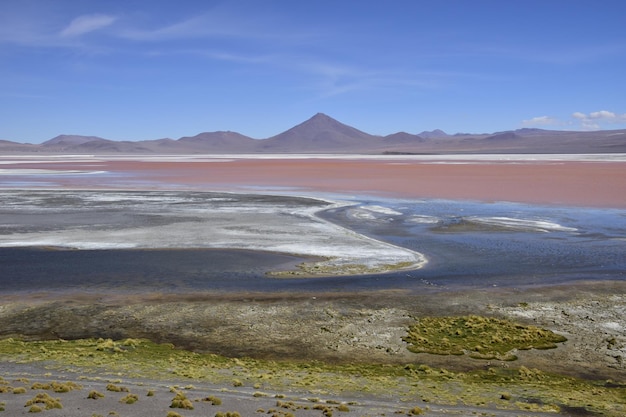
323	134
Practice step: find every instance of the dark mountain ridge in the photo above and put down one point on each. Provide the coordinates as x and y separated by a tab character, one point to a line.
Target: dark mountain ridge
323	134
319	133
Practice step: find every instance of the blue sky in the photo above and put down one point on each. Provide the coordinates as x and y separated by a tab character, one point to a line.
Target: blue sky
146	69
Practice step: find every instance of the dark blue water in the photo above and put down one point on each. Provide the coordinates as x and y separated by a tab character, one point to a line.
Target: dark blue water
461	254
578	244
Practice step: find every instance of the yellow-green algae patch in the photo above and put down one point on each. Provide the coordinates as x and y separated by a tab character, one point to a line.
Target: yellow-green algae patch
480	337
331	267
506	388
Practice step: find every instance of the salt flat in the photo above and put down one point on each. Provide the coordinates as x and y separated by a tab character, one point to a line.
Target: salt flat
174	220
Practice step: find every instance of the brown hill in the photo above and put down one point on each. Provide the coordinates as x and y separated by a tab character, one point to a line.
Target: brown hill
217	142
323	134
320	133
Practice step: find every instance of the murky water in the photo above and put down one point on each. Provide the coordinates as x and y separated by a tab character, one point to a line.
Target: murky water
137	270
468	244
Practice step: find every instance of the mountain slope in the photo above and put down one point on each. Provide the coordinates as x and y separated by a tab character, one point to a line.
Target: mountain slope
218	142
70	140
319	133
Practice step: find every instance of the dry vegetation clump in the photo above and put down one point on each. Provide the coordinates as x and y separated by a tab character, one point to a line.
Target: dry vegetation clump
213	400
129	399
45	401
227	414
58	387
326	410
116	388
416	411
280	413
343	408
289	405
94	395
180	400
481	337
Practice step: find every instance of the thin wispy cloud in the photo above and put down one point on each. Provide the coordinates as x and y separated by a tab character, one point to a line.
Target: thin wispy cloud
541	121
87	23
216	55
195	27
212	24
330	79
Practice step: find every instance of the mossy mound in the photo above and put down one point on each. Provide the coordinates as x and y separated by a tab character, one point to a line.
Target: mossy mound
480	337
526	389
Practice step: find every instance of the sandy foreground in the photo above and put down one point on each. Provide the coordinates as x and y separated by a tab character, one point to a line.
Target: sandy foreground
336	328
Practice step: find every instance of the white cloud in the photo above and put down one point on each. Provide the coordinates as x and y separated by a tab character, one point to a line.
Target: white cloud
586	121
87	23
541	121
595	120
608	116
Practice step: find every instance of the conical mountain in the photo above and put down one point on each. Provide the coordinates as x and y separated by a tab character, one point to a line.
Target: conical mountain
318	134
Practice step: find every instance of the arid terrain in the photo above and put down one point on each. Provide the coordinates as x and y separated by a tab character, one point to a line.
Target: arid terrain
283	328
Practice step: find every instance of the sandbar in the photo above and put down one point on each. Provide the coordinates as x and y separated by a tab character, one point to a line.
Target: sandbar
184	220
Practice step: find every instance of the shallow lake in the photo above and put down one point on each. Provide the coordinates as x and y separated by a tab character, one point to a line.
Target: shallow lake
468	244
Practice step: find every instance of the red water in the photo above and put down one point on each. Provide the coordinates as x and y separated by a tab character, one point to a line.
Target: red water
591	184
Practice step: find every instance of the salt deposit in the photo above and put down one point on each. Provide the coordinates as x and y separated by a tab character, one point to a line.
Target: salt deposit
522	224
106	220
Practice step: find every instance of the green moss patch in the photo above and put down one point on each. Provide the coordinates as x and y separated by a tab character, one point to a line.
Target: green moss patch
480	337
525	389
